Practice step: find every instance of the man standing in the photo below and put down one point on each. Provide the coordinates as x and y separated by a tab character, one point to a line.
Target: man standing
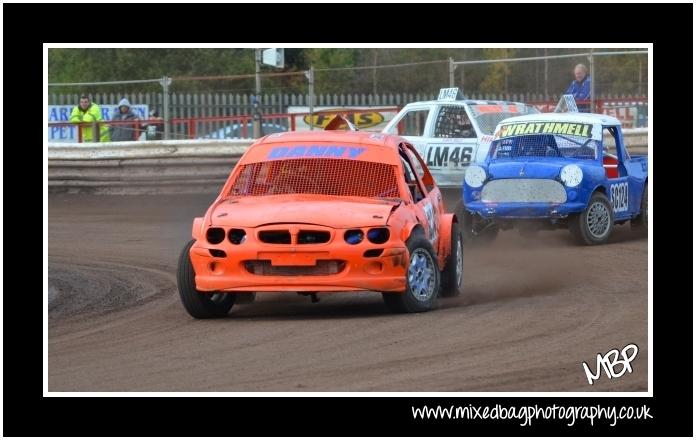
154	130
580	88
124	132
89	112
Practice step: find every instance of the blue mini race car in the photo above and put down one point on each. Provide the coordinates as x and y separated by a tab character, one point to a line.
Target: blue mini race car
556	170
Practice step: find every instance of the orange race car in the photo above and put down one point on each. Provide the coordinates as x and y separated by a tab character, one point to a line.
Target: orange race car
328	211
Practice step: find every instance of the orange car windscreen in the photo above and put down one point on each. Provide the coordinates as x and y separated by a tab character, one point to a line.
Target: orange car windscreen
319	175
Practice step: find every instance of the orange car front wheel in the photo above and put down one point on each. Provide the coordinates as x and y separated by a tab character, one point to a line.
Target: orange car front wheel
422	279
200	305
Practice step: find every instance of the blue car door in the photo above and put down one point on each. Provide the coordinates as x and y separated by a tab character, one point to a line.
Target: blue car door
620	190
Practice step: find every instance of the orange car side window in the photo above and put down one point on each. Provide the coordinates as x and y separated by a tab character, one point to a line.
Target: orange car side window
411	180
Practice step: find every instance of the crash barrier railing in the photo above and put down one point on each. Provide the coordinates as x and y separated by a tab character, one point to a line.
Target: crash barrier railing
221	127
173	166
271	122
143	167
632	112
137	127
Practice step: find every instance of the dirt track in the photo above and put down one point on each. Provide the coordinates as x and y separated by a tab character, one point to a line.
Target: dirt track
532	311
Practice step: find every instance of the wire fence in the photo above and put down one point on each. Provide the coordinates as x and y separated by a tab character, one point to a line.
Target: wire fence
522	75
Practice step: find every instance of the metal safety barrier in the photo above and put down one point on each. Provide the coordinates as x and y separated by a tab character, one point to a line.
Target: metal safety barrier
152	167
145	167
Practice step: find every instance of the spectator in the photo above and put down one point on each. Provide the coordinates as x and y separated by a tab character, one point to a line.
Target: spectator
154	131
580	88
88	111
124	132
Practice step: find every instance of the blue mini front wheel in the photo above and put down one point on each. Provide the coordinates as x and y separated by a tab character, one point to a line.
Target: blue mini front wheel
593	225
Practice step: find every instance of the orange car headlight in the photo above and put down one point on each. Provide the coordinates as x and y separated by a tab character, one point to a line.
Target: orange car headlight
215	235
237	236
378	235
353	236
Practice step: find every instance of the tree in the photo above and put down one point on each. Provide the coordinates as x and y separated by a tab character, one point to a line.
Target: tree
615	74
497	79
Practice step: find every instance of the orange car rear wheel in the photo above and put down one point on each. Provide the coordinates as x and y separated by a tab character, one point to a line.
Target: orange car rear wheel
422	279
198	304
453	275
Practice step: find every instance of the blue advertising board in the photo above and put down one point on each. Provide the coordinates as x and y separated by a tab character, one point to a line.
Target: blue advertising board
68	133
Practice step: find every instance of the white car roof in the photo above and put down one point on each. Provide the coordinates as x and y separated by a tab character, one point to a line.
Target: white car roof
464	102
583	118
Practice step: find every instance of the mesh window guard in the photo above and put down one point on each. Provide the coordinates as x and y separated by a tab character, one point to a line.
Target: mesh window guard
335	177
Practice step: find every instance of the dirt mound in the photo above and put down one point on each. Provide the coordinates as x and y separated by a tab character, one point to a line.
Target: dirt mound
80	290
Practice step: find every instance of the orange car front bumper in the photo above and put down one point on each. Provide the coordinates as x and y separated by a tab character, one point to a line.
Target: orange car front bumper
334	266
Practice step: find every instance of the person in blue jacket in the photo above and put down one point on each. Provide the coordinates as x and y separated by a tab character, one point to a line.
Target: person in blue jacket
580	88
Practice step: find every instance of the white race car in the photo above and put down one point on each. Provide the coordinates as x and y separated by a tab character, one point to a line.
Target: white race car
451	131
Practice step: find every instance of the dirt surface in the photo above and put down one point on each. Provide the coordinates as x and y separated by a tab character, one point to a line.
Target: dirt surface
533	309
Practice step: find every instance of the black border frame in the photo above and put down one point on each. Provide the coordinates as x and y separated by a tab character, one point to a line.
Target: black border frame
27	413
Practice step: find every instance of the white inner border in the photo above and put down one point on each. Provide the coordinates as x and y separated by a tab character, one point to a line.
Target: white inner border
649	393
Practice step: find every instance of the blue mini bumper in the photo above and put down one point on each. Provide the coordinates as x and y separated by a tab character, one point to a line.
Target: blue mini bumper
524	210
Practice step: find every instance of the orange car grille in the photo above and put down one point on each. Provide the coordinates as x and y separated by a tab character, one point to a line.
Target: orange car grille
303	237
323	267
334	177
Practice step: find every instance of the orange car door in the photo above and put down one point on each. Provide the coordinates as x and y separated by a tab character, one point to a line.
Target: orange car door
426	197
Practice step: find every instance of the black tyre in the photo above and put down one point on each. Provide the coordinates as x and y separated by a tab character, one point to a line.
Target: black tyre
245	298
452	277
467	223
641	222
200	305
593	225
422	279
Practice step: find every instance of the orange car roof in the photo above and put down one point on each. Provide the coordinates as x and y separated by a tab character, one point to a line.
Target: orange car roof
367	146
